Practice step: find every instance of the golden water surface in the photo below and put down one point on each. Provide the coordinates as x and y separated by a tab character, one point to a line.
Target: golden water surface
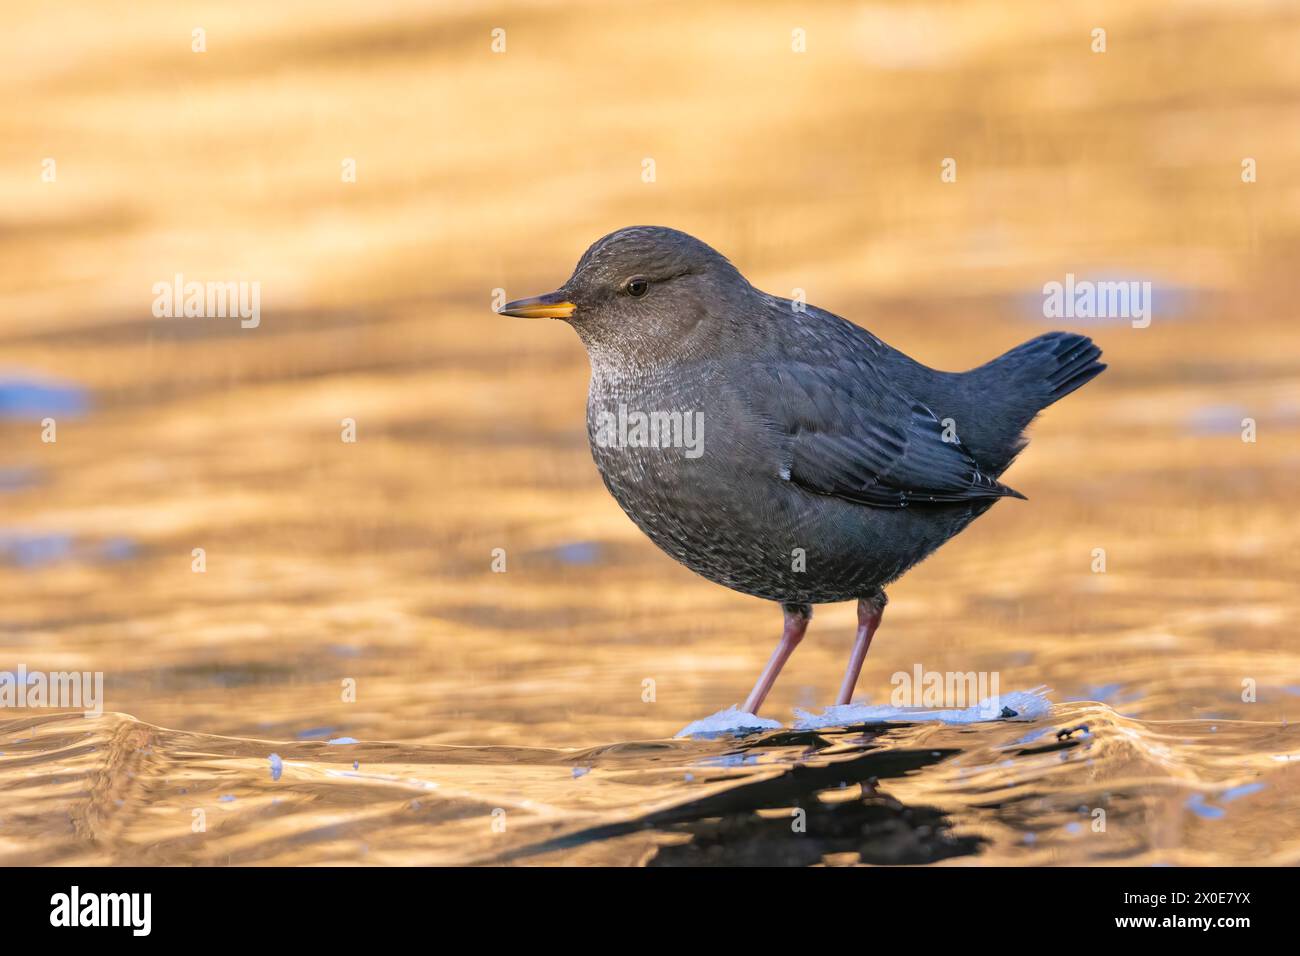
348	591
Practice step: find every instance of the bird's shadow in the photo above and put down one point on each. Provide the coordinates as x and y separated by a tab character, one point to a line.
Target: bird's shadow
743	823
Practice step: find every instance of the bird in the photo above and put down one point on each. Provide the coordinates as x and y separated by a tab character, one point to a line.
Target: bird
778	449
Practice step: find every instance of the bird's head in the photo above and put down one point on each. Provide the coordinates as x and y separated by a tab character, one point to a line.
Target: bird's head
645	290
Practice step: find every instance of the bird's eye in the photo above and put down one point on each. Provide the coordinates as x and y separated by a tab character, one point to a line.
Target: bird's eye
637	287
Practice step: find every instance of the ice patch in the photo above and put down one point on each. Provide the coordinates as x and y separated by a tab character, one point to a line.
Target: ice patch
1245	790
733	721
1196	803
315	733
1027	704
35	550
578	552
30	399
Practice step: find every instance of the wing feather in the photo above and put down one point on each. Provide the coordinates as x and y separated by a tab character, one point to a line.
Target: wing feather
849	433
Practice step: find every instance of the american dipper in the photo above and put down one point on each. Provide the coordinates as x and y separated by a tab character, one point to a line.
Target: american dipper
779	449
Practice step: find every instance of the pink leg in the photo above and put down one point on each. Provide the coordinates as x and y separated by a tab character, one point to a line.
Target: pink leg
797	617
869	613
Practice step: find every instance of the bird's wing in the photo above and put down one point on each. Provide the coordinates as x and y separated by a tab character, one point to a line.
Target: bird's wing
846	431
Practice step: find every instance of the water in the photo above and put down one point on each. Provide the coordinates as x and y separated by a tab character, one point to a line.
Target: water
348	680
1144	792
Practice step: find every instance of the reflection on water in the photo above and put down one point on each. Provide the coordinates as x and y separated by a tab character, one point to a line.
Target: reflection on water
346	591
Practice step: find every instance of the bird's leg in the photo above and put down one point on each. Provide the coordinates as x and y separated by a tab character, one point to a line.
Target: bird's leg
870	610
797	617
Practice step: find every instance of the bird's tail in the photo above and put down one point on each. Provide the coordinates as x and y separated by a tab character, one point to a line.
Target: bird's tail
1047	368
1015	387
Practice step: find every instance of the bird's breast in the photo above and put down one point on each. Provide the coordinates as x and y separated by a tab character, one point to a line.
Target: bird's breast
647	435
687	463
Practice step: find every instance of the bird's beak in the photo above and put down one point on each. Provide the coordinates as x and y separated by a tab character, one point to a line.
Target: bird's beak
553	305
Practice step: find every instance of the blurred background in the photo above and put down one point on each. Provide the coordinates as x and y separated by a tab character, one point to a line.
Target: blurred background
489	161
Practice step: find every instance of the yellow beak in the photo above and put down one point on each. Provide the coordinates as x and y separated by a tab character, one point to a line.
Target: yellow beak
553	305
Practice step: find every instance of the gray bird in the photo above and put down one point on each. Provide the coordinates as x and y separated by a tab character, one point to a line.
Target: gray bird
779	449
